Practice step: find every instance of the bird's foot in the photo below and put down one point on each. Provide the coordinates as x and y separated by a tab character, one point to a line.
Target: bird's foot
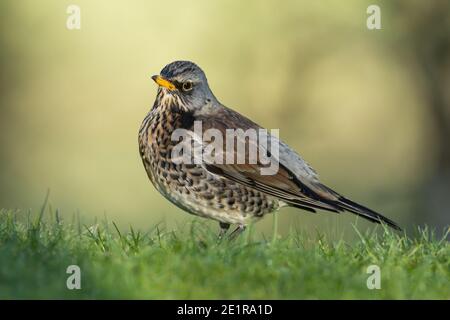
236	232
223	230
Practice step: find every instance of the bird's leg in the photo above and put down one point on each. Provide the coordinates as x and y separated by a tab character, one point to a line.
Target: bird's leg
236	232
223	229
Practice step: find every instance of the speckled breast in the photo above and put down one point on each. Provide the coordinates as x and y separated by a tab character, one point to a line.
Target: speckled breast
190	186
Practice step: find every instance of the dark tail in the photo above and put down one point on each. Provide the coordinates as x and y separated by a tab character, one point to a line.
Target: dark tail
365	212
341	203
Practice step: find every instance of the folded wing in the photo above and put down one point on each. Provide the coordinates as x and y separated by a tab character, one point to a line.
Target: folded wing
295	182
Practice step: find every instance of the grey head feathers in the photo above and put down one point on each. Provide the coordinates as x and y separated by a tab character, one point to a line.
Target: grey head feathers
191	83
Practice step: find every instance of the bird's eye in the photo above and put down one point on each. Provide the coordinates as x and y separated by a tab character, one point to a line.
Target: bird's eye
187	86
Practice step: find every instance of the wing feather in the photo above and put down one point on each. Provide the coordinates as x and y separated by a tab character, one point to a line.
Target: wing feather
295	183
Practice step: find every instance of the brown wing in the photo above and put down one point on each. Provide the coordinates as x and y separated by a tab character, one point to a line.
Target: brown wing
282	185
295	182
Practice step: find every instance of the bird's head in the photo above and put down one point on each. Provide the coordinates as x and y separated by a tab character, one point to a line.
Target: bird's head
186	82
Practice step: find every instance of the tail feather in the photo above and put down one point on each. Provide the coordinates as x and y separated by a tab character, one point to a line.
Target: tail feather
365	212
341	203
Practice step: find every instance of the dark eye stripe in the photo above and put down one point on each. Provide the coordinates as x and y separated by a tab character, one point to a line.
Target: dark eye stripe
179	85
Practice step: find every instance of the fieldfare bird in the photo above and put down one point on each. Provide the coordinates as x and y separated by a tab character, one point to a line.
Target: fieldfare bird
230	193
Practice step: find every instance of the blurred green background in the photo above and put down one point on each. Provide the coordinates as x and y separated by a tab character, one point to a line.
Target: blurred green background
368	109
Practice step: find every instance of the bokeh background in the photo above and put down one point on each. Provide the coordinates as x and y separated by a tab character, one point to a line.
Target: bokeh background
369	109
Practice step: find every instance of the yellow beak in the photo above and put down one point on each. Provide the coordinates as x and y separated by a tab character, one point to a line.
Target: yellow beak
164	82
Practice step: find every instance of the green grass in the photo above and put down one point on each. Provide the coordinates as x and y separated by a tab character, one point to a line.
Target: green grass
191	264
